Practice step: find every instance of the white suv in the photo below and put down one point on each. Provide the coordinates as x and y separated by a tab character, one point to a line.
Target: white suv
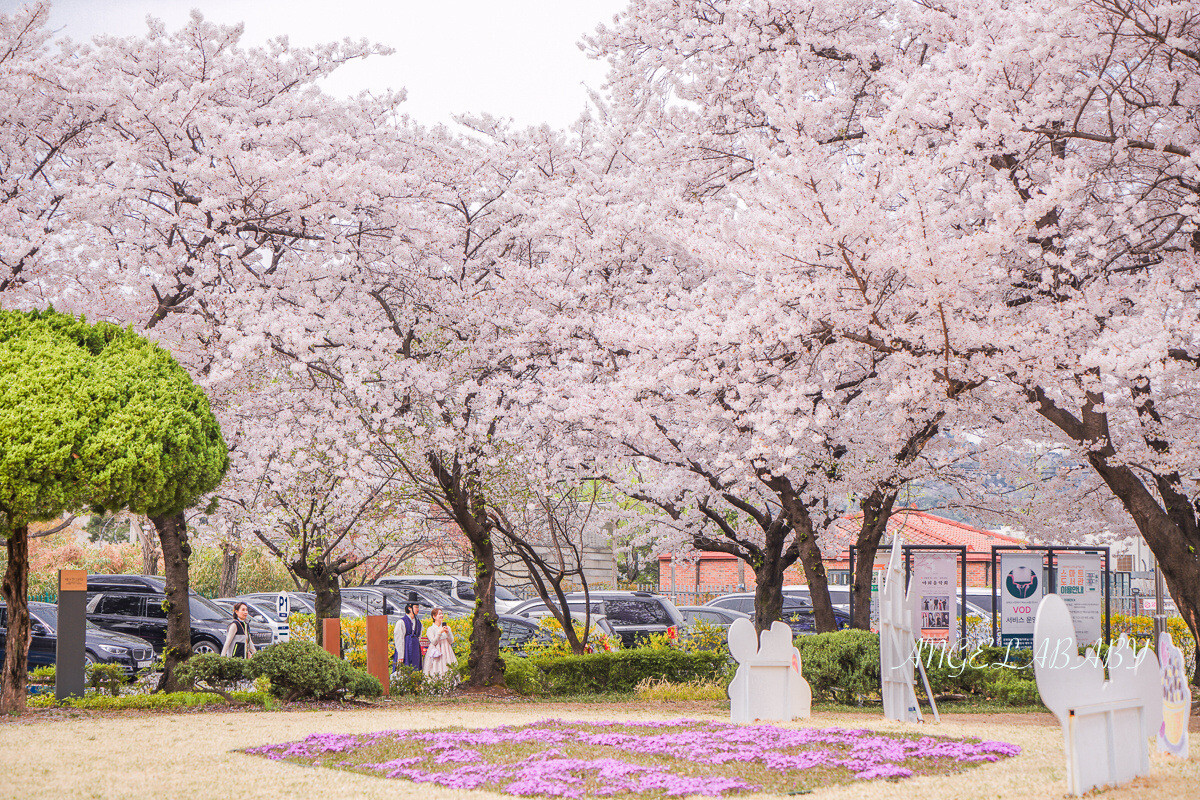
458	587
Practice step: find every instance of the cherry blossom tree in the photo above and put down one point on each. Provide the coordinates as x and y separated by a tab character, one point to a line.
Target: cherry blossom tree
1011	211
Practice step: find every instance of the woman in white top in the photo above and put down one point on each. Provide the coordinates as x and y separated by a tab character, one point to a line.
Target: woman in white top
237	639
440	655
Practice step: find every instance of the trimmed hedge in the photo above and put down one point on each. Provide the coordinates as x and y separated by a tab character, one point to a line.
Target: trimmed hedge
619	671
158	701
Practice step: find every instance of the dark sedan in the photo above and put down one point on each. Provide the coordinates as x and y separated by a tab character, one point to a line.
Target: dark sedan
142	614
711	615
797	611
100	646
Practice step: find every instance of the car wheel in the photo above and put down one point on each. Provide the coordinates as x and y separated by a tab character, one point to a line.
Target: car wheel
205	646
88	659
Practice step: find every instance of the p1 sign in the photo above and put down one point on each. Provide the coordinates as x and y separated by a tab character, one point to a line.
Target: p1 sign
283	605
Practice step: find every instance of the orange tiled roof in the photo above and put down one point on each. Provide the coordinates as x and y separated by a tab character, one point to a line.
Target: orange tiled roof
919	527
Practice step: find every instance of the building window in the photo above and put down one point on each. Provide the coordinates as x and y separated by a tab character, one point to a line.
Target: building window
839	577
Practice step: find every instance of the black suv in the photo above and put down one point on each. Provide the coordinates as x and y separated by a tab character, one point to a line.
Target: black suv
141	613
797	611
100	646
632	615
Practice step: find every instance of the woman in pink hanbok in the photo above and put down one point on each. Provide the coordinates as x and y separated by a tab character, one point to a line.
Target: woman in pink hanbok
439	658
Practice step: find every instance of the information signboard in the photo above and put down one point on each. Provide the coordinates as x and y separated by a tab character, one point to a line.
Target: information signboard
1021	590
1079	585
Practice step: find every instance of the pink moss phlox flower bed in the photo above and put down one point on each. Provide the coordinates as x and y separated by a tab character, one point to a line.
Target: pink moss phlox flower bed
670	758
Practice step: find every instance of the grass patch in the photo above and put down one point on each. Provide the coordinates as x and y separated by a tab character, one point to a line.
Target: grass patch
638	759
651	689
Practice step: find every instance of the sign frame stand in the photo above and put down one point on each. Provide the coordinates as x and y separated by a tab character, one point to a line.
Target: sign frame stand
1049	564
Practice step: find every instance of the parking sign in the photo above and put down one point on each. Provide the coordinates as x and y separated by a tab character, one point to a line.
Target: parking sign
282	605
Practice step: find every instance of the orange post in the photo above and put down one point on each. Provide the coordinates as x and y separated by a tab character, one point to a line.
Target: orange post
377	649
331	634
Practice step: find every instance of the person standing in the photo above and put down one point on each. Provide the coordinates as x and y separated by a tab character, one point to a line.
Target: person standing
408	637
440	656
238	643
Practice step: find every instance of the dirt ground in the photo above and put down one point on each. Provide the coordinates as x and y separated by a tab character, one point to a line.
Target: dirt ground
66	755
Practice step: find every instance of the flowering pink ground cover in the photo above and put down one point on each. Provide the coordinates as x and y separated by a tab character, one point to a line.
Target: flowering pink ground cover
554	758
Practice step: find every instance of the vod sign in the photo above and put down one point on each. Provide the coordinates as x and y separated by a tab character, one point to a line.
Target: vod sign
1021	590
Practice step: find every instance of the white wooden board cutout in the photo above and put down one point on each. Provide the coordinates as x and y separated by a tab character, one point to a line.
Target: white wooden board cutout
1176	698
1106	724
768	683
897	644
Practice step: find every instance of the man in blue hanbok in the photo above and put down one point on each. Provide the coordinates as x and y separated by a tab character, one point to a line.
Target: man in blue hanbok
408	636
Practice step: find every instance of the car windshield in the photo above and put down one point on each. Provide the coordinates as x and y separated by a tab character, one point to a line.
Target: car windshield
204	609
439	598
48	616
505	594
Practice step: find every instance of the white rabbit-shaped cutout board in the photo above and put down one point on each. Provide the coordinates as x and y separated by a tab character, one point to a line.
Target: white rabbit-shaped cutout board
768	684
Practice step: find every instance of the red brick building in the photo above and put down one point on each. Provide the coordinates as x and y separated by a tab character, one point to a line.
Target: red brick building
715	573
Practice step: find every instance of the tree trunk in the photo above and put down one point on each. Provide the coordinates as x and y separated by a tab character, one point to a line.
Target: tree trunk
326	584
172	534
768	593
877	510
230	559
460	497
818	581
484	664
16	596
149	544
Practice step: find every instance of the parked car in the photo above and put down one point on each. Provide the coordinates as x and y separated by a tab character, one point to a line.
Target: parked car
518	633
797	610
459	588
153	584
392	599
712	615
100	646
142	614
351	609
633	615
744	602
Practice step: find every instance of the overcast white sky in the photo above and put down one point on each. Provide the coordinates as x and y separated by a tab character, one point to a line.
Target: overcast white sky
512	58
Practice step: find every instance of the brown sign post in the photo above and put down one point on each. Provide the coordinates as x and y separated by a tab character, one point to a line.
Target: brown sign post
377	649
69	652
331	635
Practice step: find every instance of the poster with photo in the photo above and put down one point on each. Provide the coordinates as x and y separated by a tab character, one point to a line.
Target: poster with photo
933	589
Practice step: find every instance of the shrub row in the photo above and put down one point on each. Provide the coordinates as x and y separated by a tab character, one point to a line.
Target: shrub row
618	671
158	701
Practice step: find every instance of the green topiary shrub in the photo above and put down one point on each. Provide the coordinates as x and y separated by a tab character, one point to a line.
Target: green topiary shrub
209	672
302	669
842	666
